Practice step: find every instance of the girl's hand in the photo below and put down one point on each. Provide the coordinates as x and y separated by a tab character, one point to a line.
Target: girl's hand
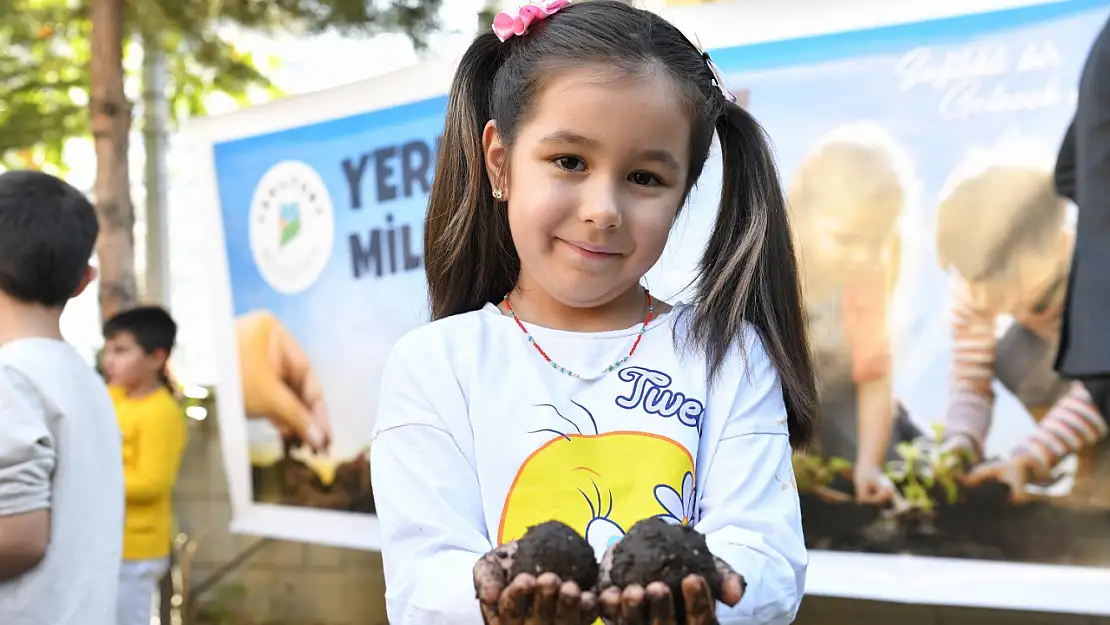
654	605
526	599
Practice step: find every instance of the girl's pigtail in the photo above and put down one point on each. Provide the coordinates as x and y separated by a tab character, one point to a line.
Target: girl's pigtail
749	272
469	256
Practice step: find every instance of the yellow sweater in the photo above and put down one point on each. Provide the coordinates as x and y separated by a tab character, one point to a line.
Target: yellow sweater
154	434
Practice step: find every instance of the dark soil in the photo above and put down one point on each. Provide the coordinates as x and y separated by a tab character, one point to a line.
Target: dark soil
553	547
299	485
982	524
657	551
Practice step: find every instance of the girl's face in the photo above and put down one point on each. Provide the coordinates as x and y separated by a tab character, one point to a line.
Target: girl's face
844	241
593	182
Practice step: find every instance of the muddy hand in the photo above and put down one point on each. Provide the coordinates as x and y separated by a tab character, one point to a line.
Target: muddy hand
491	575
278	381
636	605
732	584
627	606
654	605
528	600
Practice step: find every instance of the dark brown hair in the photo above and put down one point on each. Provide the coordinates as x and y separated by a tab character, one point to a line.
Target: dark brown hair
47	233
152	328
748	272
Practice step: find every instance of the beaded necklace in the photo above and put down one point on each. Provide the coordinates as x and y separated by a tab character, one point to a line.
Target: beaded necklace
561	369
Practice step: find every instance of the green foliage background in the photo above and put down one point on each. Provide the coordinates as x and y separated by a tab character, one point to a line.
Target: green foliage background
44	71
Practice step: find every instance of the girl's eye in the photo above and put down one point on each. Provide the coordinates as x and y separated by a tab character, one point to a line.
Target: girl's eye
643	179
570	163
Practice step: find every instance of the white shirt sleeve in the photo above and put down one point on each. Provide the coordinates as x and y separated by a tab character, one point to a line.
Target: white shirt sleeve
26	447
427	496
749	507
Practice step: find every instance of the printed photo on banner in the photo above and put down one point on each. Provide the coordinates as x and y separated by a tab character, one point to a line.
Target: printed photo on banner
936	251
323	237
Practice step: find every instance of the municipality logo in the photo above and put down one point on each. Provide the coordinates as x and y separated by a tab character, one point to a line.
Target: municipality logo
292	227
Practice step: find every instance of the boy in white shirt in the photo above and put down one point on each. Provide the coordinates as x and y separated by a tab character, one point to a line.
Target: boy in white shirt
61	480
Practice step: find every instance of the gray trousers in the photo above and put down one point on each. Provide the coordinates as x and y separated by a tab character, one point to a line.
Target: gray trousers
138	580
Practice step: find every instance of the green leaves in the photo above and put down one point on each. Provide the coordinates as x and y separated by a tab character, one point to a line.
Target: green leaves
200	65
814	472
44	69
927	474
43	78
415	18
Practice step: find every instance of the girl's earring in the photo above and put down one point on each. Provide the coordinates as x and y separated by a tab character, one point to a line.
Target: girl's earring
497	194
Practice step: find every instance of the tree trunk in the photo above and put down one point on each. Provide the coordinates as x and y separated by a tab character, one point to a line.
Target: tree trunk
110	118
155	122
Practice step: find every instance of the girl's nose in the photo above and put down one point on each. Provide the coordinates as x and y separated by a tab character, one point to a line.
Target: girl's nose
602	209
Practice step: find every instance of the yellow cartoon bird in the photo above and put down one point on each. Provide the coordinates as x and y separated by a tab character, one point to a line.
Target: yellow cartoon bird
599	484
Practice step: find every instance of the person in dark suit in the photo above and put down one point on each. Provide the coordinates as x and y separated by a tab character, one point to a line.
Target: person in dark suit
1083	174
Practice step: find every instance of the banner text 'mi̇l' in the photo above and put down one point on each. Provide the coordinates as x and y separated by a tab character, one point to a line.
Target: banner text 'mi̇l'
383	176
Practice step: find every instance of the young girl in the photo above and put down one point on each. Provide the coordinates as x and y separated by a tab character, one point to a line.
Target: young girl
552	385
846	199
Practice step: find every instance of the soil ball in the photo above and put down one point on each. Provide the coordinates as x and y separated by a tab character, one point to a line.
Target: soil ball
553	547
656	551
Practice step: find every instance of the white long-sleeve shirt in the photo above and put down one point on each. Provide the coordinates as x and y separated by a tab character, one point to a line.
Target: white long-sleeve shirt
478	438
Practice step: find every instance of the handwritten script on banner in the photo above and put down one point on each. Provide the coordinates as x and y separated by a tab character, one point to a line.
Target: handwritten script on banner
986	78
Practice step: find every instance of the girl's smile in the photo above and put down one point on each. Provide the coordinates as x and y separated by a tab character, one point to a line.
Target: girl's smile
592	191
593	252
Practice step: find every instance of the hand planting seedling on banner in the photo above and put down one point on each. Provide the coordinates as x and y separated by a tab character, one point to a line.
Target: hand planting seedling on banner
1016	472
1010	471
278	381
871	484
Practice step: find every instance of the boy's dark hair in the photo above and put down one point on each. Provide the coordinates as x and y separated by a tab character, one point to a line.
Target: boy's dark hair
48	230
152	327
748	272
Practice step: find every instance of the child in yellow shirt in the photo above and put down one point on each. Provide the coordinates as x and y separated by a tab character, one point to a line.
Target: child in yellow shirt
138	343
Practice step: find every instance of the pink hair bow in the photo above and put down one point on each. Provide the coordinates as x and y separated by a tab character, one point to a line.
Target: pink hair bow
509	23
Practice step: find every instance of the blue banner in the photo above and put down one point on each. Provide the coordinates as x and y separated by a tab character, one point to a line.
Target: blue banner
324	239
918	162
885	139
